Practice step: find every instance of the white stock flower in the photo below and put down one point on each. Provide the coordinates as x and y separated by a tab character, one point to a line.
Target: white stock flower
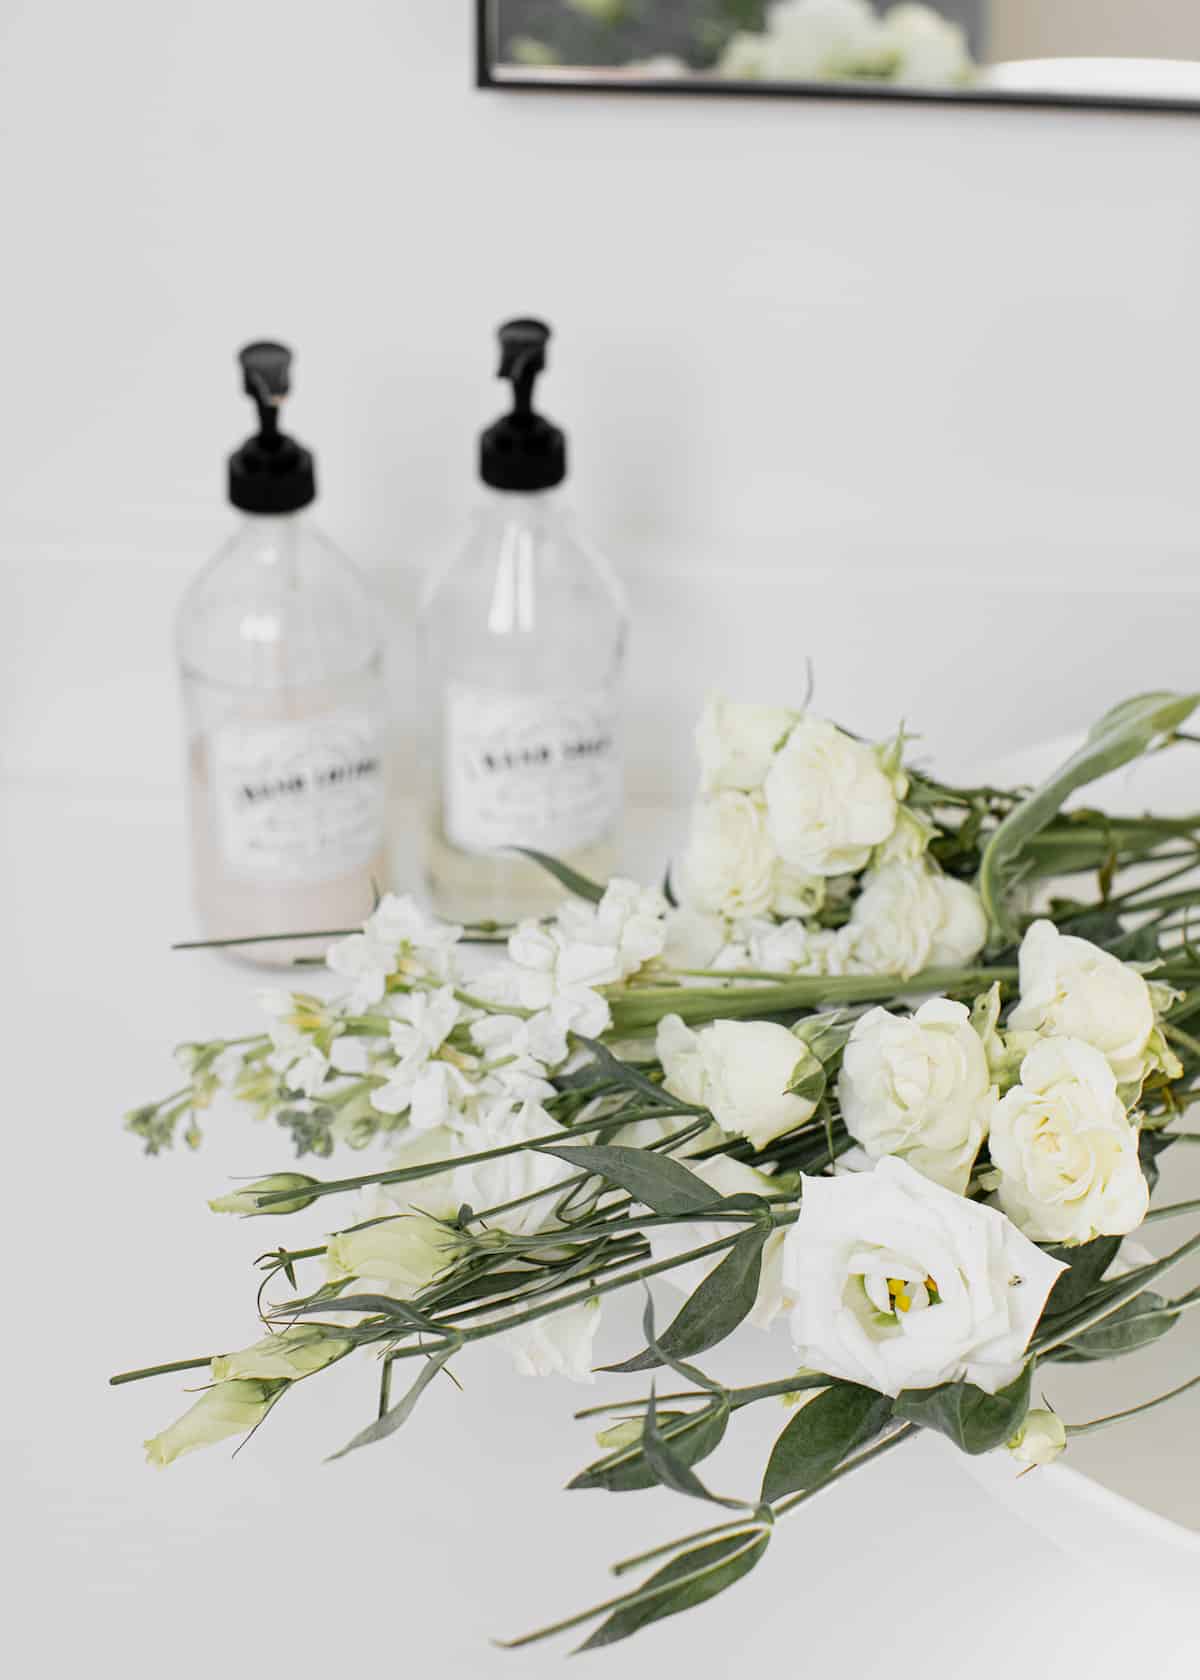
736	743
694	938
919	1086
829	800
1064	1149
1071	988
559	1345
792	948
398	935
794	892
898	1283
726	1178
924	48
431	1090
628	921
740	1070
908	918
729	866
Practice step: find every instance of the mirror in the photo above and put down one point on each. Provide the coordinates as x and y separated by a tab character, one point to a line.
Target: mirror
1092	52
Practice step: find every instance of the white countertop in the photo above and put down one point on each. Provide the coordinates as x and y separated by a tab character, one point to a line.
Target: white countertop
416	1552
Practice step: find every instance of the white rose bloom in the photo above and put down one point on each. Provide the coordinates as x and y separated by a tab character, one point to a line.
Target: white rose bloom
829	800
909	918
736	743
809	40
796	893
740	1070
898	1283
1064	1149
729	866
559	1345
924	48
727	1178
919	1086
1071	988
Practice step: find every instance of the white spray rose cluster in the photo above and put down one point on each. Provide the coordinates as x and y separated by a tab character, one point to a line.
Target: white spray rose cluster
804	859
829	40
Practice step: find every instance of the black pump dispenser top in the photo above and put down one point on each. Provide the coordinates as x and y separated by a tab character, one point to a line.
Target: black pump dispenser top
271	472
523	450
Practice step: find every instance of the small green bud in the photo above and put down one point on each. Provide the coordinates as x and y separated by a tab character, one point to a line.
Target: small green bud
627	1433
1040	1439
246	1201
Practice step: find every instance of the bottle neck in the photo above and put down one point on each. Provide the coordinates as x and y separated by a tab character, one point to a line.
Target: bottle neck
522	507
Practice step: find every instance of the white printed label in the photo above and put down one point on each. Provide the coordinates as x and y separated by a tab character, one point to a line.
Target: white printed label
539	770
299	802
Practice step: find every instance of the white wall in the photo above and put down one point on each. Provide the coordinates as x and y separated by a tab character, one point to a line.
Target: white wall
890	386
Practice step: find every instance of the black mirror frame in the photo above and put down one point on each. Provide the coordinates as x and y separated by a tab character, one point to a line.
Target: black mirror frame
966	97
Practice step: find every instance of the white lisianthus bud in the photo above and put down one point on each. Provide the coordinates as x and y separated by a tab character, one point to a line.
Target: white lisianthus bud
729	866
909	918
295	1352
559	1344
829	801
627	1433
742	1071
405	1252
246	1201
1040	1439
737	742
898	1283
726	1178
919	1086
1071	988
231	1408
1064	1149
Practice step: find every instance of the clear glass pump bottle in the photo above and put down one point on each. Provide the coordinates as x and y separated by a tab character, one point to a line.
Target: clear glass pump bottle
279	655
523	642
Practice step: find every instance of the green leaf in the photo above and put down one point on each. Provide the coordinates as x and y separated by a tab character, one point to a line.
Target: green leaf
808	1079
821	1435
692	1437
571	879
658	1181
975	1421
670	1470
624	1073
1087	1264
701	1573
1139	1322
715	1308
403	1409
1120	736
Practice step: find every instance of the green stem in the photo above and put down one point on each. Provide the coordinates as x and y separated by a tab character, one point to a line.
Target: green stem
1132	1411
160	1370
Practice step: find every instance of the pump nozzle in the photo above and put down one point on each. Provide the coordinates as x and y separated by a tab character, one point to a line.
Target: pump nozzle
266	379
270	473
522	357
523	450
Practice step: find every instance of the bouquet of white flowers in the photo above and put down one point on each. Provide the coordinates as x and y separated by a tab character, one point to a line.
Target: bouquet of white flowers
889	1059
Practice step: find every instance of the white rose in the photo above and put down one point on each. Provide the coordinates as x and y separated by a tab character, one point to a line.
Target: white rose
1064	1149
909	918
736	743
1071	988
726	1178
919	1087
729	866
924	48
740	1070
794	892
559	1344
829	801
899	1284
815	40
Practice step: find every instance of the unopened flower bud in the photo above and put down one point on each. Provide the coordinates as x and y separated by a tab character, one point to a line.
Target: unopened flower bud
1040	1438
246	1201
628	1433
406	1252
296	1352
231	1408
